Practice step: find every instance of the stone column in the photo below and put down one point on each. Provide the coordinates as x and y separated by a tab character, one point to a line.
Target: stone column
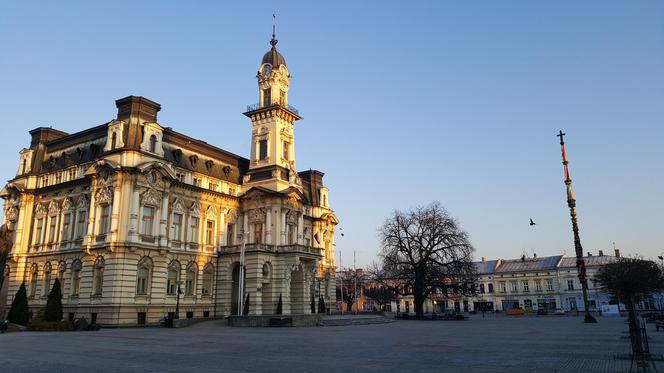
300	229
133	215
221	228
268	225
163	221
115	210
92	215
282	231
23	224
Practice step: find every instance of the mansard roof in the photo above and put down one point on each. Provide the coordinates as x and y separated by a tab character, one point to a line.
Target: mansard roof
529	264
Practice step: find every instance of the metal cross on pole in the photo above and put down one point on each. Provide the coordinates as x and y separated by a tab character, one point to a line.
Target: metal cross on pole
580	263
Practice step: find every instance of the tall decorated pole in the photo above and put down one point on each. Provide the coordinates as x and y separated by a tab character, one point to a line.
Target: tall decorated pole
580	263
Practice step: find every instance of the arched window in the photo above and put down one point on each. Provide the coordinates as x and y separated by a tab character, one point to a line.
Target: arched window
190	279
153	144
173	277
34	274
62	267
208	273
114	139
143	276
76	267
47	278
98	276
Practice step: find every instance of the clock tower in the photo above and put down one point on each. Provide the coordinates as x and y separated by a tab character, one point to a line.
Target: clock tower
272	161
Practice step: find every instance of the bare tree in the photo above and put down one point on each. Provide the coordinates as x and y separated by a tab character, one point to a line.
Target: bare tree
380	294
351	283
424	251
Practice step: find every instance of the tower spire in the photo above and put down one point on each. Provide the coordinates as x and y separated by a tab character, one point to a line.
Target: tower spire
274	40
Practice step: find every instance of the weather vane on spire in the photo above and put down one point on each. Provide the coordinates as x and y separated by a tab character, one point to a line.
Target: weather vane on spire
274	27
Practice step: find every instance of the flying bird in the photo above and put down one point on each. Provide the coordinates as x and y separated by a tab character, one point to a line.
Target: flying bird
532	222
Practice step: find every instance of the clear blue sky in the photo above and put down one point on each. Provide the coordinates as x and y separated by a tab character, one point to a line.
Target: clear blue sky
404	102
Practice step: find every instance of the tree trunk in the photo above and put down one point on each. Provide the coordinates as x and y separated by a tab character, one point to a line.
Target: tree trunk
634	327
418	294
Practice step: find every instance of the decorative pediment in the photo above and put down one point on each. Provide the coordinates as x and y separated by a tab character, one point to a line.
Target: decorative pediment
151	197
12	213
195	209
104	196
40	210
53	208
178	206
231	216
257	216
211	212
291	217
82	202
67	204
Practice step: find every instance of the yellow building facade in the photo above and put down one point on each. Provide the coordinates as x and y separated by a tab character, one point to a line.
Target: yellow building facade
134	218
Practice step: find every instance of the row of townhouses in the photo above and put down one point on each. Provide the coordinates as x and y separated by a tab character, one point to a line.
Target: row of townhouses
531	283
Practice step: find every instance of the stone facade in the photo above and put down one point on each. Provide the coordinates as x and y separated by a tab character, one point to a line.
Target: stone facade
132	216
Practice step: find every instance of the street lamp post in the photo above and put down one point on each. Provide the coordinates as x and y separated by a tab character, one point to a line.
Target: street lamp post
580	263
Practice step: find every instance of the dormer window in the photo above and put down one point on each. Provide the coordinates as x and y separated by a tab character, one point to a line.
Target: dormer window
153	144
114	140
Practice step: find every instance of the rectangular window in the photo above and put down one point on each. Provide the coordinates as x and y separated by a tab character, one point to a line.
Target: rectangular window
258	233
193	232
525	285
291	233
189	283
481	288
262	149
231	191
212	186
197	182
171	282
180	177
75	281
490	288
230	229
81	224
267	97
570	284
514	287
176	229
72	174
207	282
549	285
148	219
538	285
51	229
209	232
38	231
66	226
104	219
503	287
286	147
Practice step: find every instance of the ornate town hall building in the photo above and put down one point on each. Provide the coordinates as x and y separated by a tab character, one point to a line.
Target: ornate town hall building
127	213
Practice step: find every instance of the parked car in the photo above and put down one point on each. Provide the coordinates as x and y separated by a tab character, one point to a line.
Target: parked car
559	312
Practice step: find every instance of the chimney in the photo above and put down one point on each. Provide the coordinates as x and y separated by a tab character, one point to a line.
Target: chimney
617	253
601	253
534	255
484	258
589	254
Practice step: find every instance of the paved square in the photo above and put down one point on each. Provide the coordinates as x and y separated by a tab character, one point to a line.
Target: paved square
500	344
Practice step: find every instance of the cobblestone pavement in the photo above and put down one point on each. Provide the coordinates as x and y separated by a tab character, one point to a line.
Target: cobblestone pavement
497	344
